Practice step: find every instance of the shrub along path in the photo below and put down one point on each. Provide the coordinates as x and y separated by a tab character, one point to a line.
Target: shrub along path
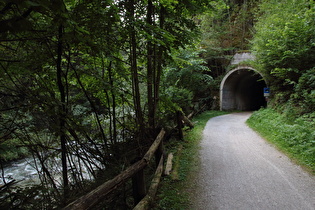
240	170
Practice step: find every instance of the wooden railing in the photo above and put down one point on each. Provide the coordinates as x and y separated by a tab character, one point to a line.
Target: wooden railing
135	172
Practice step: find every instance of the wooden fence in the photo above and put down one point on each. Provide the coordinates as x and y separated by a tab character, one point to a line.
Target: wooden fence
136	172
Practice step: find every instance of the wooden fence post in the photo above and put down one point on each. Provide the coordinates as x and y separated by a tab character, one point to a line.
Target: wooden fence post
138	186
145	203
180	125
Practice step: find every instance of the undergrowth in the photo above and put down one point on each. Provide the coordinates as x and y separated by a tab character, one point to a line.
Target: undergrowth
174	192
295	137
12	150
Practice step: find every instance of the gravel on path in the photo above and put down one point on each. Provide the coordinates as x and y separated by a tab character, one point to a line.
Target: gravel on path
240	170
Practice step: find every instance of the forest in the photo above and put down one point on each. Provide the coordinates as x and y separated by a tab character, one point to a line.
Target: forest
86	86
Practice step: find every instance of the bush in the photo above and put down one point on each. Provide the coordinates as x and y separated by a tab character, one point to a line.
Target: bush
187	81
305	91
11	150
284	48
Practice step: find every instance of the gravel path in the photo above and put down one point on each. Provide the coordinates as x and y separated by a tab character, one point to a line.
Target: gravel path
240	170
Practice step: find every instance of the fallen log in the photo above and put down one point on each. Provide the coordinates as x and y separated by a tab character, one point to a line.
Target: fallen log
190	115
169	164
174	174
187	121
196	112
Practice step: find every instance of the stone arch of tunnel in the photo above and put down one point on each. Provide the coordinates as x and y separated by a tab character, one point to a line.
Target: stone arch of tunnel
242	89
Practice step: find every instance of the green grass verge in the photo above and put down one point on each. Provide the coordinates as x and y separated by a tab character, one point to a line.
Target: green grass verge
175	194
296	138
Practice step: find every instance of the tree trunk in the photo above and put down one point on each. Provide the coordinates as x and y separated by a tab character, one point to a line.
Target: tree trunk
134	70
111	81
62	114
159	62
150	70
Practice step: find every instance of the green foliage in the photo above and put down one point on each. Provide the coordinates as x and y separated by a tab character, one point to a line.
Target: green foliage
11	150
228	26
284	47
23	198
284	39
305	92
226	29
179	97
294	137
187	80
74	75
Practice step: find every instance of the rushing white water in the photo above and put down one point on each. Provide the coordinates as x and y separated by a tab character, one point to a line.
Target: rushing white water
26	172
21	170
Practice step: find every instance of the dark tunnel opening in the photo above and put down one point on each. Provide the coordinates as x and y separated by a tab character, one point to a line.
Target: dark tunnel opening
242	89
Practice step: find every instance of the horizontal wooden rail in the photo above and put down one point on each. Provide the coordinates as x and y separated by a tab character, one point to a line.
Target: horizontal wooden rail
155	145
97	195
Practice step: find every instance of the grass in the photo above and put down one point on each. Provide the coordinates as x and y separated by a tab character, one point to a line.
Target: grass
296	138
175	193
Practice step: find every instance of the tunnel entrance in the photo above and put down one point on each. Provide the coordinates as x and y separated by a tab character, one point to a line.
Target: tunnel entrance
242	89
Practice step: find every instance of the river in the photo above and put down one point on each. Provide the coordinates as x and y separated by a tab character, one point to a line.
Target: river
26	171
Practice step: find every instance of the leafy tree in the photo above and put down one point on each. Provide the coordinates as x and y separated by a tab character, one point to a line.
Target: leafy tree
187	81
284	46
87	73
42	70
226	29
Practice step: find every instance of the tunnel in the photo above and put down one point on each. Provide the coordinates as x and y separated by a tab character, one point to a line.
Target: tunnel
242	89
